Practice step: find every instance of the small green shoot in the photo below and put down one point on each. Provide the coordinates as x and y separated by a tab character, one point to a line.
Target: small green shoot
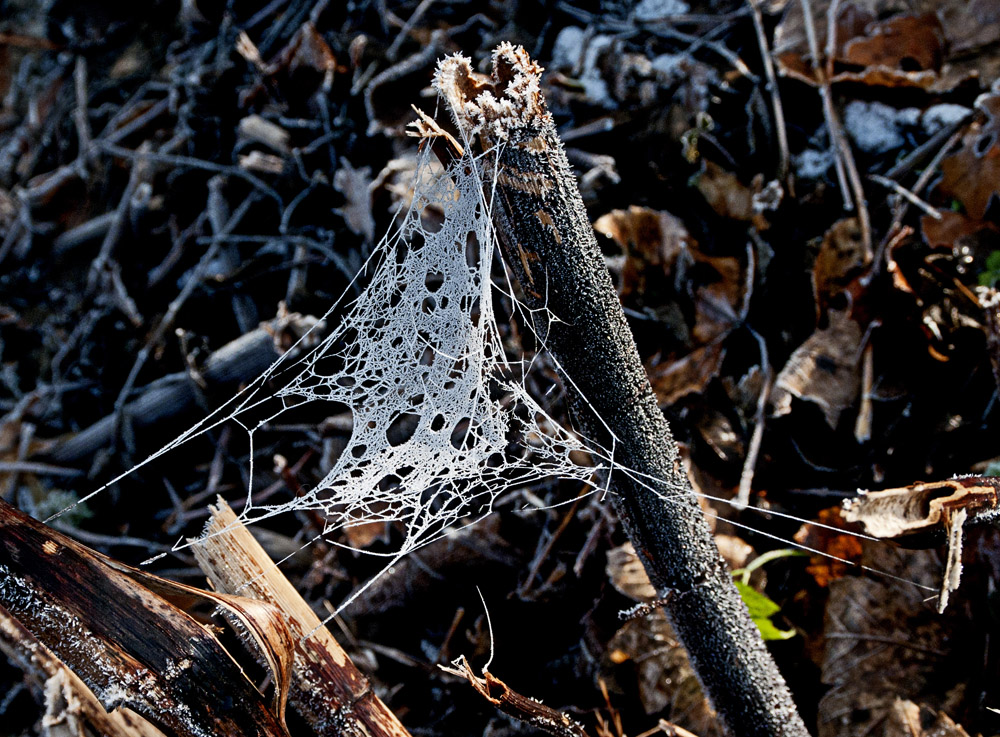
760	606
990	276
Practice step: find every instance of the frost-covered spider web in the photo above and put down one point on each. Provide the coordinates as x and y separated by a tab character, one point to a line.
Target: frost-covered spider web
441	421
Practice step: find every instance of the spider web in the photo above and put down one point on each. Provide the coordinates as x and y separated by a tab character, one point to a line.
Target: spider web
442	423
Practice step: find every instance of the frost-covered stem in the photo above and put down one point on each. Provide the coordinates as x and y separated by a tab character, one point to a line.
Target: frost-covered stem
550	246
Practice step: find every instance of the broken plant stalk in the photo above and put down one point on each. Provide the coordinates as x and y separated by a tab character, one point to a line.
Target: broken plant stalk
550	247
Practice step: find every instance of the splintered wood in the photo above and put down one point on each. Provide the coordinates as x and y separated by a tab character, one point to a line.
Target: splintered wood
121	632
330	693
69	703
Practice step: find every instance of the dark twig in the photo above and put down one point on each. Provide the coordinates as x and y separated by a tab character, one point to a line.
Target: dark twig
189	162
549	245
167	321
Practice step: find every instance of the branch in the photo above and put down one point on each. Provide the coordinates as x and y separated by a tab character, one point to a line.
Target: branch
550	246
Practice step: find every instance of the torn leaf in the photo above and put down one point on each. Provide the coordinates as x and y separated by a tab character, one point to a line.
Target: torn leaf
923	508
823	370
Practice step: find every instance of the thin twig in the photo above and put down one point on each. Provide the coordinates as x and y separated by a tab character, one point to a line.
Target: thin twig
40	469
167	321
742	499
415	17
904	192
80	116
114	233
772	88
189	162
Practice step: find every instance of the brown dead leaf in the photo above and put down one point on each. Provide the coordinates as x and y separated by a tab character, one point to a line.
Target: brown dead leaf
627	574
661	257
823	370
972	175
903	43
917	43
717	297
841	550
841	258
972	179
908	719
651	239
885	641
951	229
308	49
729	197
688	375
667	684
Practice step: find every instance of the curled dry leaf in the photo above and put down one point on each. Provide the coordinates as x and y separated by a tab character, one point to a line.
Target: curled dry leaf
823	370
922	509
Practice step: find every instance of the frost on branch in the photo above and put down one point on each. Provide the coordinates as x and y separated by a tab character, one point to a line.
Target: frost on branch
495	107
